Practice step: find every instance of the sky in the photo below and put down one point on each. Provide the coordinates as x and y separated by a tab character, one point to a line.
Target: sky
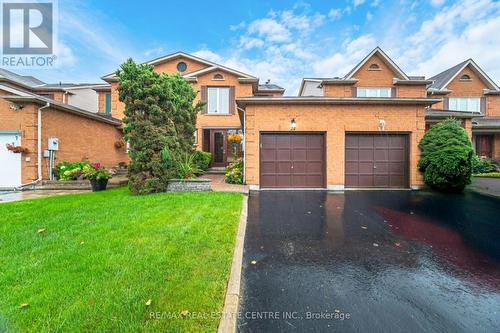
283	41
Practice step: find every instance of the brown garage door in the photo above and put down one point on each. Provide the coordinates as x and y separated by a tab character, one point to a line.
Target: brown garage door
290	160
376	160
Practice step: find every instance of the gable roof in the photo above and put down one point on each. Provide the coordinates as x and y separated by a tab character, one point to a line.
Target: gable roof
443	79
388	61
26	80
211	66
24	96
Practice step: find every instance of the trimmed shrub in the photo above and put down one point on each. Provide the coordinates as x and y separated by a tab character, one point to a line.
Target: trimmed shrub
446	160
482	165
234	172
202	159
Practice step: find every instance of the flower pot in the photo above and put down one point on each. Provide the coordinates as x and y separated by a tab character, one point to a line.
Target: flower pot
98	184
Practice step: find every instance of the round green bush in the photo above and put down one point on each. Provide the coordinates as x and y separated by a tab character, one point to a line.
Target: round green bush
446	160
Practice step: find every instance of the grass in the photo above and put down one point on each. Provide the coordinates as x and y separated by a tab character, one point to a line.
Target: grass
103	255
489	175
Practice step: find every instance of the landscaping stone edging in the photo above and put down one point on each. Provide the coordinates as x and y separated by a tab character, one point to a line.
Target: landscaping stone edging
229	314
189	185
74	184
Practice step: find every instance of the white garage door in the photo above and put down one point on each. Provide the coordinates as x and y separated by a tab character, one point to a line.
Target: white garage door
10	163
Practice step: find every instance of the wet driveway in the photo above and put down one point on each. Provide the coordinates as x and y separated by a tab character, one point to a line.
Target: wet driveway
371	262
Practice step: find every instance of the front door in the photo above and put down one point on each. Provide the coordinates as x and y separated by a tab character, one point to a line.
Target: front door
484	145
218	148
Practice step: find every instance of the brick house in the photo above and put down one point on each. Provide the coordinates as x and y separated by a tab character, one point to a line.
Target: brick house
357	131
218	86
31	112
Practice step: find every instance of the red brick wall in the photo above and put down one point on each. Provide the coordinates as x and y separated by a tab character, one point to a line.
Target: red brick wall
79	137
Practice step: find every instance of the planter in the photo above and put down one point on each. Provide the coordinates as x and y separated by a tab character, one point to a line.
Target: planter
189	185
98	184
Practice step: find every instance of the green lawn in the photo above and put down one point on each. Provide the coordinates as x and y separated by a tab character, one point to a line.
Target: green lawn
488	175
103	255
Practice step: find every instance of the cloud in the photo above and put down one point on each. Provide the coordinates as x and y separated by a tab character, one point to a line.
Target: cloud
155	51
270	30
369	16
357	3
208	55
335	13
238	26
437	3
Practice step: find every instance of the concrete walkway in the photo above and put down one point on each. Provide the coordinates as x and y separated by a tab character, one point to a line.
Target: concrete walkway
218	184
486	186
23	195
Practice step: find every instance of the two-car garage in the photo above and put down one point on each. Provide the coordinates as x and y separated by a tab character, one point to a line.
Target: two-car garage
298	160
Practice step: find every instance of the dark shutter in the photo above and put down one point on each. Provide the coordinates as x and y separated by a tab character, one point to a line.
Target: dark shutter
232	101
483	105
446	103
393	92
203	98
354	92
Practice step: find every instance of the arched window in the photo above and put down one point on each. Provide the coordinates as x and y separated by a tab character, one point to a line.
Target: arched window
374	67
465	77
218	77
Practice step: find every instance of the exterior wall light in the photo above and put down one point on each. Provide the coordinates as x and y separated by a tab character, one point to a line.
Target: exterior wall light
381	124
293	124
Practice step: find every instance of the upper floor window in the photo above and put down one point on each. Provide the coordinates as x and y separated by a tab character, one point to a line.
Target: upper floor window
374	92
218	100
374	67
472	104
107	103
218	77
465	77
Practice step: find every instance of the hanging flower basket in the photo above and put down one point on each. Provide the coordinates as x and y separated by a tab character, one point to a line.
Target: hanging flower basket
17	149
234	138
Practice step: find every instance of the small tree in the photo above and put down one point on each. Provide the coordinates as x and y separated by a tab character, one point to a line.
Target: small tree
160	120
446	160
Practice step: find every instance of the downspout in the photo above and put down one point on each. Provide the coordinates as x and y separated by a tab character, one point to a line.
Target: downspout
39	148
244	145
39	141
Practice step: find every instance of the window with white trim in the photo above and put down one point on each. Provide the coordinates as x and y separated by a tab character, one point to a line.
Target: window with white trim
218	100
374	92
471	104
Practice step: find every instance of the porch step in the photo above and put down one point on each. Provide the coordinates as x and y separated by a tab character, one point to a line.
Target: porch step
216	171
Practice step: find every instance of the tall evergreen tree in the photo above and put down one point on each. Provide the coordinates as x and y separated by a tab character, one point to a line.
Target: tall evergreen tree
160	119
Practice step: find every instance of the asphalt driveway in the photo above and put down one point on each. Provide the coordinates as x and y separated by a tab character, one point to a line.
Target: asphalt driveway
371	262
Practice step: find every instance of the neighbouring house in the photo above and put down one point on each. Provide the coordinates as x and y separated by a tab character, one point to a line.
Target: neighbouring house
218	86
39	120
466	92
